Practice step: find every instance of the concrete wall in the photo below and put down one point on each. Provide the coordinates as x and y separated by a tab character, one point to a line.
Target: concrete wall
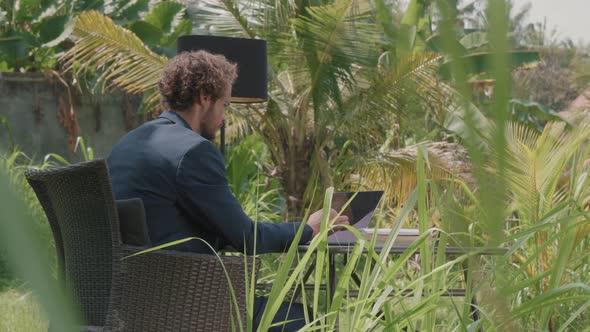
35	109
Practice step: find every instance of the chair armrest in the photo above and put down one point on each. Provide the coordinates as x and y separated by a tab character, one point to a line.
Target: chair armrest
173	291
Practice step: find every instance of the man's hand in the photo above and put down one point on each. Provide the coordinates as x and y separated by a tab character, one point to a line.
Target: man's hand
315	221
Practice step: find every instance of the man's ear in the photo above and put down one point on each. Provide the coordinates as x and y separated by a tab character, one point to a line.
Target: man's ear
204	98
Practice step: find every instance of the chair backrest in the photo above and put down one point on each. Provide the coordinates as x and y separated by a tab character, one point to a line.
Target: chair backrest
80	208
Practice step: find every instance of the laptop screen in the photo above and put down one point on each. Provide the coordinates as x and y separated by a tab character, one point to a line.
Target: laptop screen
359	212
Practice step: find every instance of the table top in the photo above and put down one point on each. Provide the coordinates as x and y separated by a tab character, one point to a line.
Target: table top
400	249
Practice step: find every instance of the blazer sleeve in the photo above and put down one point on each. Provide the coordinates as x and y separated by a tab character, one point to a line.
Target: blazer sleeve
204	193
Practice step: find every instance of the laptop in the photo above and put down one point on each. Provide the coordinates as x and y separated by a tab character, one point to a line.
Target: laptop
359	213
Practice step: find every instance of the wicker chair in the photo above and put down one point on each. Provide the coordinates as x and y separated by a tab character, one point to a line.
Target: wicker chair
157	291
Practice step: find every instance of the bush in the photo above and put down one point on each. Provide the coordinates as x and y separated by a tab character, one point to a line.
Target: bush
14	163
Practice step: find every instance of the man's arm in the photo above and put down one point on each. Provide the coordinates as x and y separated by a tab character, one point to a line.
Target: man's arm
204	193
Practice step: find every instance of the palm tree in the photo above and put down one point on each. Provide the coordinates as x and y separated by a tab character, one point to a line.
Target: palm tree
521	32
334	94
332	77
547	184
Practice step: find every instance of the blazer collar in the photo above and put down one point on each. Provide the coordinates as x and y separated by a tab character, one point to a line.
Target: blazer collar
174	117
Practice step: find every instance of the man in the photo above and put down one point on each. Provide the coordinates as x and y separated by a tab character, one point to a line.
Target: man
180	175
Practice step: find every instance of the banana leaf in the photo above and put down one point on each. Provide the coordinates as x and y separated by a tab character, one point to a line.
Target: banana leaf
478	63
532	114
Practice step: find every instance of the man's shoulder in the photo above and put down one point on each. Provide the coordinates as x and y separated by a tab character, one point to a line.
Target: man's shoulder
182	144
168	133
203	151
158	140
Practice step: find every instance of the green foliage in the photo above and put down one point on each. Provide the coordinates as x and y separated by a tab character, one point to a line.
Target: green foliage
557	80
521	170
56	159
13	163
474	47
479	63
160	28
126	12
258	194
531	114
31	32
132	67
324	81
20	311
27	256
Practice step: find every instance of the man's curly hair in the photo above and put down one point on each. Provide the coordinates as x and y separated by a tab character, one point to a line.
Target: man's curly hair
190	74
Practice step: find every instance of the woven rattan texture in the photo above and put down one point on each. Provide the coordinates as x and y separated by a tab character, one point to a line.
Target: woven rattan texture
172	291
79	205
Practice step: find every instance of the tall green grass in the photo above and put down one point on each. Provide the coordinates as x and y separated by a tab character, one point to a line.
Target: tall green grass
26	239
521	205
13	163
21	312
518	203
535	285
28	259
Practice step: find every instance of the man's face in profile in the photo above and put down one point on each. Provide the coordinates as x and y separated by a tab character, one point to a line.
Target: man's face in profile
214	115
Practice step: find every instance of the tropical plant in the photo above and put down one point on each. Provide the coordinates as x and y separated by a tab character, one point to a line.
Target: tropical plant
554	81
161	26
30	31
536	162
28	258
33	32
51	159
519	29
329	80
125	61
544	279
531	114
522	201
13	163
258	194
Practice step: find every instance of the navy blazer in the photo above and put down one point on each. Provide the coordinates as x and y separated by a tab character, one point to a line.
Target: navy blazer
180	176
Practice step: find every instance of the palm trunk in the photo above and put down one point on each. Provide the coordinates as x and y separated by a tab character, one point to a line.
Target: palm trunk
295	174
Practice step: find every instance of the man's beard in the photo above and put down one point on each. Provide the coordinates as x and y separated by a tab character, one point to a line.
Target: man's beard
206	133
209	132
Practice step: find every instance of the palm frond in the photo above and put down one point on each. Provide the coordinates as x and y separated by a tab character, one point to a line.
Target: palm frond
396	169
416	72
240	122
166	16
333	39
536	163
125	61
338	31
232	18
386	93
455	119
412	80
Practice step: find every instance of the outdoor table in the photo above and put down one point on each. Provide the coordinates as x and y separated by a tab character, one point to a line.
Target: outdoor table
346	249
